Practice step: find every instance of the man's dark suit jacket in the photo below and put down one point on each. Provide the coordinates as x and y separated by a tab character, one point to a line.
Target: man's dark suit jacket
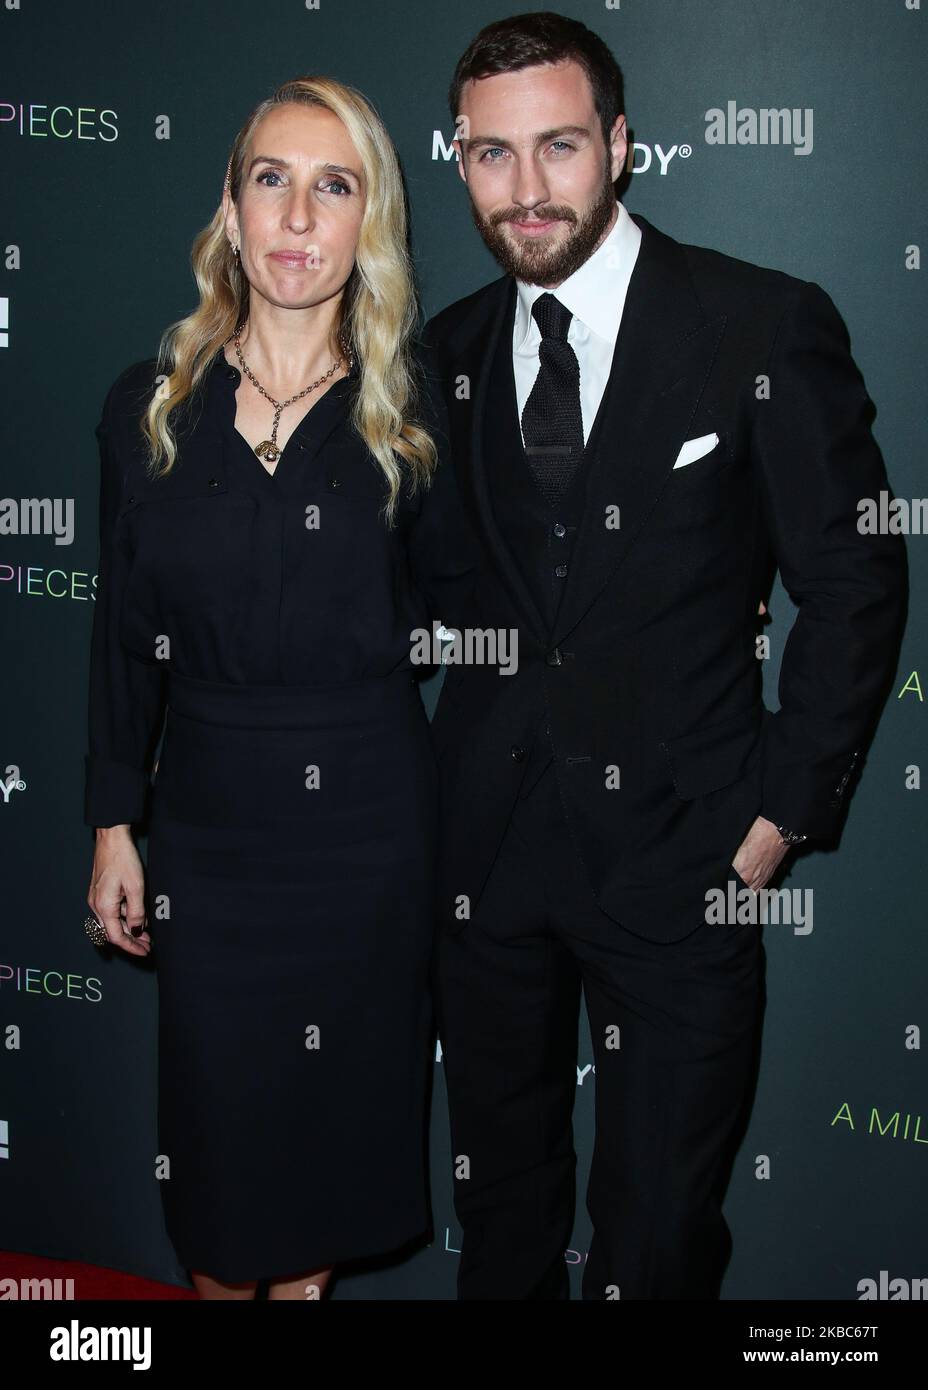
651	667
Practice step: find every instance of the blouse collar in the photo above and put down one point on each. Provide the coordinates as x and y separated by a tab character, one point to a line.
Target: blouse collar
225	374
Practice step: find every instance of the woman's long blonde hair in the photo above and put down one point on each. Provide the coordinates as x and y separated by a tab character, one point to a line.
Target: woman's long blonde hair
377	313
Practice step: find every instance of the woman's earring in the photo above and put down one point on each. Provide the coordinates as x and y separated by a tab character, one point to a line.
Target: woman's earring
235	248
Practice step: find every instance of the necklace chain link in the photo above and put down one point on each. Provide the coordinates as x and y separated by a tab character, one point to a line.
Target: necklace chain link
268	448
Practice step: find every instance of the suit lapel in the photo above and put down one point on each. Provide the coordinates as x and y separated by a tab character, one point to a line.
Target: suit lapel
662	358
482	350
663	355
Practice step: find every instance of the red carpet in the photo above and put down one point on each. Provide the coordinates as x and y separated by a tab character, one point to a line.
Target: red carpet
90	1281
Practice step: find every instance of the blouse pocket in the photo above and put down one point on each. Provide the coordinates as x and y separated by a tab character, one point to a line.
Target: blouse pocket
354	480
190	546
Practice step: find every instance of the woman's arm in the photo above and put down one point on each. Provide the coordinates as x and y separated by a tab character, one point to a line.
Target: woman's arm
125	713
442	548
127	696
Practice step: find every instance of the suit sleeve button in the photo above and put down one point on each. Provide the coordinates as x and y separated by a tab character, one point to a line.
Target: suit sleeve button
517	753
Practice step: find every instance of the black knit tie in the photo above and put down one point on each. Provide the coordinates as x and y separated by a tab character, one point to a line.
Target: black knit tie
552	421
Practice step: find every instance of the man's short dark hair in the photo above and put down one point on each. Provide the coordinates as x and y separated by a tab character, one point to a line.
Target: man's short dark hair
524	40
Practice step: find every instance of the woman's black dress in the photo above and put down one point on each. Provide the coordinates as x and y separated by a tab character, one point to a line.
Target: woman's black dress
290	860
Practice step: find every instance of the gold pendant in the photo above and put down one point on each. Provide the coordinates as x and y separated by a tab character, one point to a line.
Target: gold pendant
268	450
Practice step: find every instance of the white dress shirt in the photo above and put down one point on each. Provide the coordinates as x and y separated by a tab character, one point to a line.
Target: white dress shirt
595	295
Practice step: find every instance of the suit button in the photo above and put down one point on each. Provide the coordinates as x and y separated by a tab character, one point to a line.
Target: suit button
559	529
214	482
335	482
130	499
561	571
517	753
554	658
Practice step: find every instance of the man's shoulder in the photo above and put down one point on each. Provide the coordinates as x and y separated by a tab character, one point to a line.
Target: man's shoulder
722	280
478	304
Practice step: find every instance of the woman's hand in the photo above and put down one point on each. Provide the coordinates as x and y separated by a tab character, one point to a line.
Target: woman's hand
118	880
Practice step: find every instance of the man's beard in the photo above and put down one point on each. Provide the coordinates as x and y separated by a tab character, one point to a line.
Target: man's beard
532	260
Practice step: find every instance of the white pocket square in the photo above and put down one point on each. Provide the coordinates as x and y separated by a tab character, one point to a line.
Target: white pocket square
695	448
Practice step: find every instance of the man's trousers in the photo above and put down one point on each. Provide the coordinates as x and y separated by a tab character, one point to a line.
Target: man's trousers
674	1030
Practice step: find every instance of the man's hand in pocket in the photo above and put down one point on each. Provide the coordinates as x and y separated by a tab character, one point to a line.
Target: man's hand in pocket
759	853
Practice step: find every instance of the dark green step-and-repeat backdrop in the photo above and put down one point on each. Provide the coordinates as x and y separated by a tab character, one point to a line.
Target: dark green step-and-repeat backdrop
115	127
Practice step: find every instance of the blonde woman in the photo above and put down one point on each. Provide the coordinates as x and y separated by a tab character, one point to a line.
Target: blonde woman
275	524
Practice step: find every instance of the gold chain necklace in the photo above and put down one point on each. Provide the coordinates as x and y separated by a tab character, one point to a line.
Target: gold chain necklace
268	449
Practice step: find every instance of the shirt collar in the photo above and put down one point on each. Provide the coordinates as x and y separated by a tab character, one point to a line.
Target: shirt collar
223	372
595	293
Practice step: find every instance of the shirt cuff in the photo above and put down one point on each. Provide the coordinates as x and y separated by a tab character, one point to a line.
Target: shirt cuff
114	793
777	819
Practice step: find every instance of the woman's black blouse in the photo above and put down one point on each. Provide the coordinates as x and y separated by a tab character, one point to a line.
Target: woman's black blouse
225	572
